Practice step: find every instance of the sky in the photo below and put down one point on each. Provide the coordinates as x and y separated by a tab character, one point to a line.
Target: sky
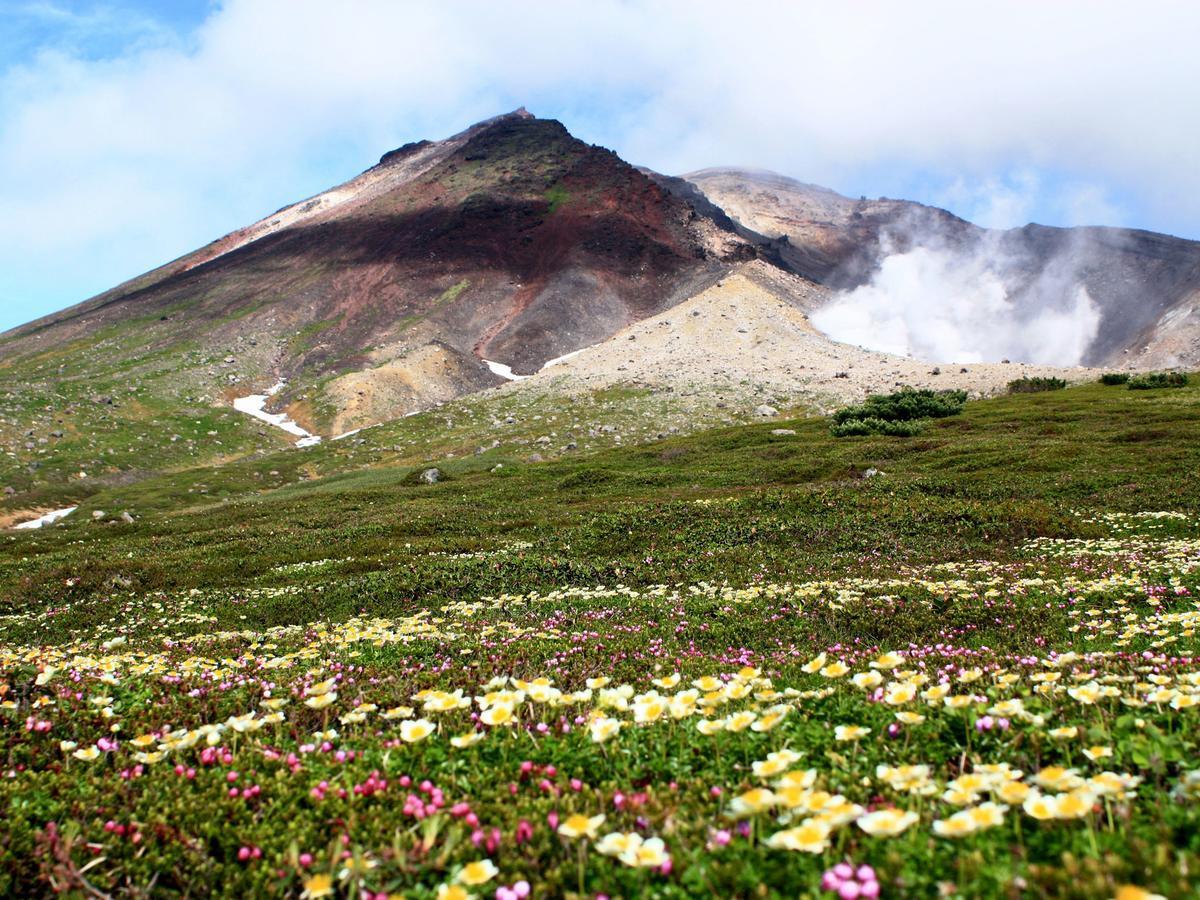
132	132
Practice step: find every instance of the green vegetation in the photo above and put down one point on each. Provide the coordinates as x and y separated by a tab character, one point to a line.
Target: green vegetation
1007	604
901	414
1035	385
556	196
1155	380
1114	378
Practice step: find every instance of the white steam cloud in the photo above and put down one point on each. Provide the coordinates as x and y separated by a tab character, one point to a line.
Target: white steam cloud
947	304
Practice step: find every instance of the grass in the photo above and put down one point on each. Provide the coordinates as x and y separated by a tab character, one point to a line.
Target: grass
998	539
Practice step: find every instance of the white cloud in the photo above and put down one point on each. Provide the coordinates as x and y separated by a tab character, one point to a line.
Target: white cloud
110	165
942	305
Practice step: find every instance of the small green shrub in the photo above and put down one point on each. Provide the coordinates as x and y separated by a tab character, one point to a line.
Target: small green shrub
1152	380
872	425
1028	385
1111	378
902	414
905	406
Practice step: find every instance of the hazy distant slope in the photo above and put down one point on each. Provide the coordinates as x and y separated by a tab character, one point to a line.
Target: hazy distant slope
1146	286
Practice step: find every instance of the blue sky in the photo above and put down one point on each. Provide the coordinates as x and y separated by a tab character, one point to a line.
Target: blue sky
132	132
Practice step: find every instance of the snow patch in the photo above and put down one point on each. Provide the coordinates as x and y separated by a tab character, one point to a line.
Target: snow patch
48	519
504	371
256	405
561	359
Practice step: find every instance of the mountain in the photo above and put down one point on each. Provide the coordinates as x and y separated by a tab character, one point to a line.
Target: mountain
511	242
613	301
1146	286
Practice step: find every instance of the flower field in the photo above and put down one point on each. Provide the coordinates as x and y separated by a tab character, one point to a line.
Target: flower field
727	665
675	739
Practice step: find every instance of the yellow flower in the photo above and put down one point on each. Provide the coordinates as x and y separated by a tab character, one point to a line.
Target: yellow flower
596	683
867	680
615	843
1133	892
1095	753
668	682
1013	792
320	701
835	670
887	661
1087	694
770	718
958	825
814	665
1067	733
1056	778
898	694
478	873
321	687
500	714
810	836
650	853
753	802
466	740
603	728
850	732
710	726
87	754
453	892
1040	806
740	721
320	885
886	822
909	718
803	780
411	732
580	825
1074	805
987	815
936	693
648	708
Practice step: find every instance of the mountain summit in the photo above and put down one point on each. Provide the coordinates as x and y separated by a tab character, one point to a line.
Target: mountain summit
510	243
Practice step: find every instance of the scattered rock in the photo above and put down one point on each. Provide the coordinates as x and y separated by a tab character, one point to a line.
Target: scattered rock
765	410
782	432
871	472
127	518
98	514
431	476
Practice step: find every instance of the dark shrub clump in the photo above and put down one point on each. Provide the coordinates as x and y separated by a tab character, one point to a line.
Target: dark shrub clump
1111	378
1157	380
1035	385
901	414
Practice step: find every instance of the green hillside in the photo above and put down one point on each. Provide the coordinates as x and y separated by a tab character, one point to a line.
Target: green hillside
281	639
